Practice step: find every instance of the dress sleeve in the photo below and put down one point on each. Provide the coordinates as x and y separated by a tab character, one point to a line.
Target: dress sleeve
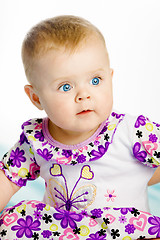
19	164
146	145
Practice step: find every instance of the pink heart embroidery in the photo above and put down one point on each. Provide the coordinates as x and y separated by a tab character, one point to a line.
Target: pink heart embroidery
9	219
139	222
68	234
92	222
110	217
150	147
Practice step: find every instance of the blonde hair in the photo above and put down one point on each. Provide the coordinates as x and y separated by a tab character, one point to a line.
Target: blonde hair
61	31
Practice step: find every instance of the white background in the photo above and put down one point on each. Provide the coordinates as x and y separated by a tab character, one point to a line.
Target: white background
132	33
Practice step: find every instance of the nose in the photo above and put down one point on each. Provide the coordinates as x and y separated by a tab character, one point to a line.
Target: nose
82	95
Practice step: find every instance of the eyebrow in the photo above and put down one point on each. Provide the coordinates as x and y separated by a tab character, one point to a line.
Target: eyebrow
72	76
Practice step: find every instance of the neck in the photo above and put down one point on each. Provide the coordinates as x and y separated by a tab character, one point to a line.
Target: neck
68	137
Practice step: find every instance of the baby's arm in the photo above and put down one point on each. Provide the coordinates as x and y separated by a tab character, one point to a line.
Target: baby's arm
7	190
155	178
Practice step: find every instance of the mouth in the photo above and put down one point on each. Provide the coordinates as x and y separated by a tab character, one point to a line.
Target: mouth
85	112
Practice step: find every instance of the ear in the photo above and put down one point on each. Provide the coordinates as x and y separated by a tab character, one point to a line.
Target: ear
33	96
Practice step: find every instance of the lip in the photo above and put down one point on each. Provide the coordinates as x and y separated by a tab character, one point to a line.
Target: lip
84	112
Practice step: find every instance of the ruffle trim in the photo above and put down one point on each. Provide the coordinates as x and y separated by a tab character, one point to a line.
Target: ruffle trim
35	133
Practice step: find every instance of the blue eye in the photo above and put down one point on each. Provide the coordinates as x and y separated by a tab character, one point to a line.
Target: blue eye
95	81
65	88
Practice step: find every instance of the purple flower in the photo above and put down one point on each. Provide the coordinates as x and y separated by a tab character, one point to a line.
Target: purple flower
104	129
67	153
81	158
45	154
37	214
122	219
141	121
96	236
46	233
130	228
155	221
139	155
26	227
39	135
124	211
22	182
26	124
67	218
101	151
153	138
23	139
40	206
97	212
17	157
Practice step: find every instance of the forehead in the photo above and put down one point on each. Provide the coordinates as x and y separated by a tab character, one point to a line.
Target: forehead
88	57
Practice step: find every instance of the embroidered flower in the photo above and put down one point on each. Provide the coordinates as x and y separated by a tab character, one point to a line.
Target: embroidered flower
139	155
45	154
96	236
110	195
129	228
67	218
17	157
25	227
97	212
153	138
155	221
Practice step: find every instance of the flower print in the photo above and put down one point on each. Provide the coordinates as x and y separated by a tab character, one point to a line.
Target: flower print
110	195
17	157
97	212
81	158
37	214
46	234
67	153
67	218
139	155
129	228
155	221
22	182
116	115
122	219
27	123
45	154
115	233
141	121
101	151
39	135
96	236
40	206
23	139
25	227
124	211
84	213
104	129
47	218
153	138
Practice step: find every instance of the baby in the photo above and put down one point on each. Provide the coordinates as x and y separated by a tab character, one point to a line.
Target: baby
96	162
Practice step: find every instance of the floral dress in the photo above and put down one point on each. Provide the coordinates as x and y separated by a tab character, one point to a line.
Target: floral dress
94	190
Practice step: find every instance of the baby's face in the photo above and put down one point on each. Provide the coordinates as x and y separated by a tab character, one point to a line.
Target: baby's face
75	90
